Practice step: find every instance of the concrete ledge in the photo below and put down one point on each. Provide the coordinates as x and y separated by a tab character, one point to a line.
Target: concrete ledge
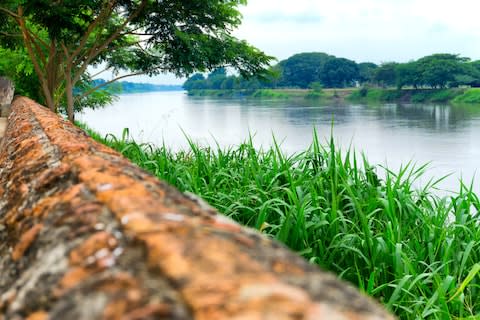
85	234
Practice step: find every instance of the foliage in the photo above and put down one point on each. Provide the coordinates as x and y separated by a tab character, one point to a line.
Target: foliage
64	38
366	72
316	86
439	69
469	96
339	73
408	95
440	95
436	71
194	82
219	79
15	65
268	93
416	252
407	74
386	74
302	69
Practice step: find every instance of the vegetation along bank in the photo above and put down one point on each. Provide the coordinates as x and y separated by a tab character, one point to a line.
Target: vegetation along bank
365	94
416	252
440	77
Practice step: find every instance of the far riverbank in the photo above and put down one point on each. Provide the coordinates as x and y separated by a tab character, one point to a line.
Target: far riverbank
450	95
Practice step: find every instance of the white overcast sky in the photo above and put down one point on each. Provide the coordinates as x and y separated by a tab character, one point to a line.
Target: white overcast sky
361	30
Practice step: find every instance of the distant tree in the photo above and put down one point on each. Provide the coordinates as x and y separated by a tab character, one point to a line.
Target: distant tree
229	83
407	74
316	87
469	76
216	78
385	74
218	72
475	66
438	70
194	81
366	72
249	83
339	73
64	38
302	69
272	77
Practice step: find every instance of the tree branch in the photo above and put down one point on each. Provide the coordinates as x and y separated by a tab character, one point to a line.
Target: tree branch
38	38
104	14
111	81
10	13
19	35
98	73
38	50
96	50
36	66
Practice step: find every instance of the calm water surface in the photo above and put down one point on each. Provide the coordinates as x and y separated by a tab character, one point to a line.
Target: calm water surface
391	134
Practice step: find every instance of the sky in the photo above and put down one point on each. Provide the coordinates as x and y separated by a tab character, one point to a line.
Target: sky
361	30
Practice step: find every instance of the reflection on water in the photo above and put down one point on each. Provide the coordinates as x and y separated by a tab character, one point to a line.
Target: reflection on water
392	134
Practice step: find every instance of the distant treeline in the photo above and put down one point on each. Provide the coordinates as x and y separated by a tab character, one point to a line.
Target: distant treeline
307	70
134	87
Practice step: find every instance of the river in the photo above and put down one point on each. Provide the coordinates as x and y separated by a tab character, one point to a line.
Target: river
448	137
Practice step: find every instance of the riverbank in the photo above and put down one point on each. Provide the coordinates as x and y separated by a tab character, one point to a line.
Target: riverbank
414	251
326	94
451	95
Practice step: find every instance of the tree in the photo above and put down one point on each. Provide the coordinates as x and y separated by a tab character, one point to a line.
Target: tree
439	69
216	78
385	75
302	69
407	74
229	83
64	38
366	72
193	81
339	73
469	76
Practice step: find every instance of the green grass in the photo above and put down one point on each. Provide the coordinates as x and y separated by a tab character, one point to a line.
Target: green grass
280	93
416	252
469	96
269	93
439	95
414	95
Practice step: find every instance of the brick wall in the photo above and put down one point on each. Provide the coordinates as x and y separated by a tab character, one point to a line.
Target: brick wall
85	234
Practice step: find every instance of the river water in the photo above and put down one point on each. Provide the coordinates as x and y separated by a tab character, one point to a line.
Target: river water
447	137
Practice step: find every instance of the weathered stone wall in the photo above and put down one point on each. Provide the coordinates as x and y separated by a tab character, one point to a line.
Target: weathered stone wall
85	234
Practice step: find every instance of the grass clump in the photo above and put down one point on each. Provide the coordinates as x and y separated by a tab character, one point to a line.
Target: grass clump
416	252
437	95
269	93
469	96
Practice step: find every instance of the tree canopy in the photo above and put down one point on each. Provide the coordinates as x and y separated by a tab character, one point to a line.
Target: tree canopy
339	73
64	38
304	69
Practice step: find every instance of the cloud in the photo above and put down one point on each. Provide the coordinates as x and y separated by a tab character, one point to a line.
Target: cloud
363	30
280	17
